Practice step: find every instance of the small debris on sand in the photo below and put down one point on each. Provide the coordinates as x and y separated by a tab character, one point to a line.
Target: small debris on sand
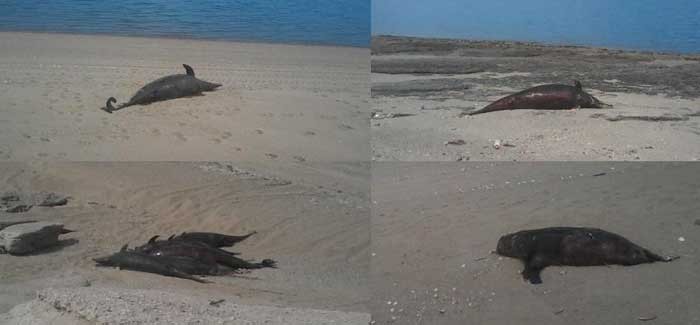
381	116
216	303
458	142
646	318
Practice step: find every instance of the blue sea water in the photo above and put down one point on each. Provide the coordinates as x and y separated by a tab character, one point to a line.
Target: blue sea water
337	22
657	25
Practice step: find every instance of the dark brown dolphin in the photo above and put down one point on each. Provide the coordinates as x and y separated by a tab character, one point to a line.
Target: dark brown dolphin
200	251
553	96
539	248
213	239
137	261
168	87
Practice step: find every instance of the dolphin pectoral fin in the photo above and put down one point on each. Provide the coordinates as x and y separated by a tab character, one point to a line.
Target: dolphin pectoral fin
533	276
533	268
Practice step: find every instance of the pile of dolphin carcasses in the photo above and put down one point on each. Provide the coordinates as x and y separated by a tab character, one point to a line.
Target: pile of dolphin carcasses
184	256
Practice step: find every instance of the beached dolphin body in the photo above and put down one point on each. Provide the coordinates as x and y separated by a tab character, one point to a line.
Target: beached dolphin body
168	87
213	239
200	251
553	96
539	248
137	261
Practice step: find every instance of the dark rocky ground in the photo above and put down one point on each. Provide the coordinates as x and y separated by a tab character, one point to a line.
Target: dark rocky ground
636	71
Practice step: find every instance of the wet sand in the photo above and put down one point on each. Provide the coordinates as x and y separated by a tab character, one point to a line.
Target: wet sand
432	83
288	103
434	226
313	222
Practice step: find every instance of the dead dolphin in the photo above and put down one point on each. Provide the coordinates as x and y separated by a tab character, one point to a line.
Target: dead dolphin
153	244
553	96
202	252
168	87
137	261
213	239
539	248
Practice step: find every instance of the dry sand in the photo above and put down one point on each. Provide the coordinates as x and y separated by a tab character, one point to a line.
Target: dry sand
436	81
129	306
314	222
278	102
434	226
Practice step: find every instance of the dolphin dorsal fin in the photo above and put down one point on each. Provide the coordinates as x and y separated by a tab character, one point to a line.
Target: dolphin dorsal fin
190	71
577	84
124	248
153	239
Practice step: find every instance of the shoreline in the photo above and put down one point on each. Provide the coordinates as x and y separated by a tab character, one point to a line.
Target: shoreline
192	38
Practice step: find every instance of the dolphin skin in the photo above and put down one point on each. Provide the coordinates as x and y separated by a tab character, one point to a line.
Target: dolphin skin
168	87
213	239
552	96
137	261
202	252
574	246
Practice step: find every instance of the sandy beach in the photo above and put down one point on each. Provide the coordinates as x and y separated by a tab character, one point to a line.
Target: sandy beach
288	103
421	89
314	222
434	226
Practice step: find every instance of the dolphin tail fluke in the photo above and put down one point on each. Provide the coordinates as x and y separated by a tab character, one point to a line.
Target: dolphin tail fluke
109	108
108	105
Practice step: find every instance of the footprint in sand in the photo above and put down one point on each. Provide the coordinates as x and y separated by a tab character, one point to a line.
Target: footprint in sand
299	158
346	127
271	155
259	131
180	136
155	132
226	135
309	133
215	140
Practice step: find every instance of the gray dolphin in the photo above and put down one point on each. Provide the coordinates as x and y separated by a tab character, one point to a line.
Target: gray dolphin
552	96
168	87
